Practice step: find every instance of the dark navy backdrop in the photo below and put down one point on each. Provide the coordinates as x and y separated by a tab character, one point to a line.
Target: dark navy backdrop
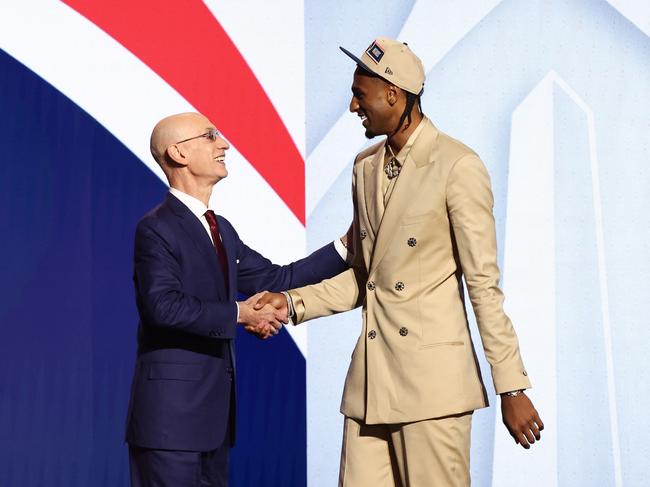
70	195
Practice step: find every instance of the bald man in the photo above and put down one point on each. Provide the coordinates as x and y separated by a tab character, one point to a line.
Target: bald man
189	265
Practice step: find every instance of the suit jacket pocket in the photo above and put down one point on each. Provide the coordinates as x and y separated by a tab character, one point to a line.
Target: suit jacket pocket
175	371
411	219
456	343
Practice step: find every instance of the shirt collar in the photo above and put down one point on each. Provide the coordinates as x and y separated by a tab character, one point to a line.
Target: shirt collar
196	206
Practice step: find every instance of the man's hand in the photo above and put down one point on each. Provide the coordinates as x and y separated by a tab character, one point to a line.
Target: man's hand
278	301
262	321
521	419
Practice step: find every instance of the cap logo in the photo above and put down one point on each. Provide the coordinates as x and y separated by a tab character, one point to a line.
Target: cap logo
388	71
375	52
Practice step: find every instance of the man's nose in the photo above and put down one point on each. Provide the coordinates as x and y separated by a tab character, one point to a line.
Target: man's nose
354	104
223	143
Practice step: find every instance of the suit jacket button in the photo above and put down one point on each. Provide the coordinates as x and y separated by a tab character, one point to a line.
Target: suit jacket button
371	285
403	331
399	286
412	242
372	334
363	234
525	373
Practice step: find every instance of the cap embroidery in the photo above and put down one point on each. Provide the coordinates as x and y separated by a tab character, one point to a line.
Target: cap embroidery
375	52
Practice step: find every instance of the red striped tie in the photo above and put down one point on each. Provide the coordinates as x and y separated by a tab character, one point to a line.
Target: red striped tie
218	244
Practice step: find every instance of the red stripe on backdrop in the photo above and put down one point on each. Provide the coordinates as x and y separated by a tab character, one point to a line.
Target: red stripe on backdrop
186	46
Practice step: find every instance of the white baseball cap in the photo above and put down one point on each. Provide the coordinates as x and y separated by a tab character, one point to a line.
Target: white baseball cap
393	61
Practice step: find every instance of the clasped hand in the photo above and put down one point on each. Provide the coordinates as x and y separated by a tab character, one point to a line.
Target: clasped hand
263	314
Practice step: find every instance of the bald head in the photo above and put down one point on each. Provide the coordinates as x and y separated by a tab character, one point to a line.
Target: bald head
191	153
172	129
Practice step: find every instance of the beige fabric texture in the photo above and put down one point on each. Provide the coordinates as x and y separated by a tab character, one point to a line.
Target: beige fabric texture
398	64
414	358
429	453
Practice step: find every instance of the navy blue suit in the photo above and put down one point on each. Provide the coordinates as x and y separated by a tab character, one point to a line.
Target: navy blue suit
183	379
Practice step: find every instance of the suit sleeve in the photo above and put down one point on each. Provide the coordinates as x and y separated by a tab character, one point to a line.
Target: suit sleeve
162	300
257	273
341	293
470	202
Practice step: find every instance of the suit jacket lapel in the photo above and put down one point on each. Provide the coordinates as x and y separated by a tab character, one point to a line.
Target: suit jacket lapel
407	185
372	192
191	225
196	233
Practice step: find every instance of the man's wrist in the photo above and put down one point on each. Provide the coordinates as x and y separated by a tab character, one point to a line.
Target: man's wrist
514	393
245	312
291	311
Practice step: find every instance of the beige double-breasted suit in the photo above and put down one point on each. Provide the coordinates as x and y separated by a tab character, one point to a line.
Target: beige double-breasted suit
414	359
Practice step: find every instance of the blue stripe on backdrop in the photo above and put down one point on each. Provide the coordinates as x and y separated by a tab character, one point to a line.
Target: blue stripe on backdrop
70	195
271	449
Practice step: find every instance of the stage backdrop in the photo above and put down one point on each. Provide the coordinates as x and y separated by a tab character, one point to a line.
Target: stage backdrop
554	96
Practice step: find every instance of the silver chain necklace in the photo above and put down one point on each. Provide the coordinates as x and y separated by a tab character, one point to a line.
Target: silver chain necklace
392	167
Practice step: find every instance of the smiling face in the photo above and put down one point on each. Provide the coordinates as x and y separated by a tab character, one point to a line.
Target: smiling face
189	150
375	101
205	155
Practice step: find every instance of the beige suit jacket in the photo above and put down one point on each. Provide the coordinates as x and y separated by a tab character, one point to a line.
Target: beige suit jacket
414	358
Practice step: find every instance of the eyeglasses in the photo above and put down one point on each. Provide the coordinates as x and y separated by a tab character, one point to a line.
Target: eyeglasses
211	134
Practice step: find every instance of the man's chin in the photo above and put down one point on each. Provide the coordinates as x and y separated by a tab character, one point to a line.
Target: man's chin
222	175
370	134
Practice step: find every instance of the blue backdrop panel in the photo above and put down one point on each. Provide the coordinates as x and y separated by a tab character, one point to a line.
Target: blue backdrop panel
271	449
71	195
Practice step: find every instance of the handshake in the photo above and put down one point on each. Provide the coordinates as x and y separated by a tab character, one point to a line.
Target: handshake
264	314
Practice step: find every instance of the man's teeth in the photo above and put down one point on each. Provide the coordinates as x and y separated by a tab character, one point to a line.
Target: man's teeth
220	159
363	118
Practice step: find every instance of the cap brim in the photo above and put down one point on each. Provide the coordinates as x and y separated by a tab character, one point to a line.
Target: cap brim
356	60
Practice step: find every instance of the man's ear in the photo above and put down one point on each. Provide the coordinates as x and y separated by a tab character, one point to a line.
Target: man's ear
176	154
393	94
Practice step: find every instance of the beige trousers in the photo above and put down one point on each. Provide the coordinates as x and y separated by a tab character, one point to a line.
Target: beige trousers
431	453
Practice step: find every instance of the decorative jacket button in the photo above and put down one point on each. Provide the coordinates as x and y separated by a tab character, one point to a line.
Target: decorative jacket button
371	285
372	334
363	234
412	242
399	286
403	331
